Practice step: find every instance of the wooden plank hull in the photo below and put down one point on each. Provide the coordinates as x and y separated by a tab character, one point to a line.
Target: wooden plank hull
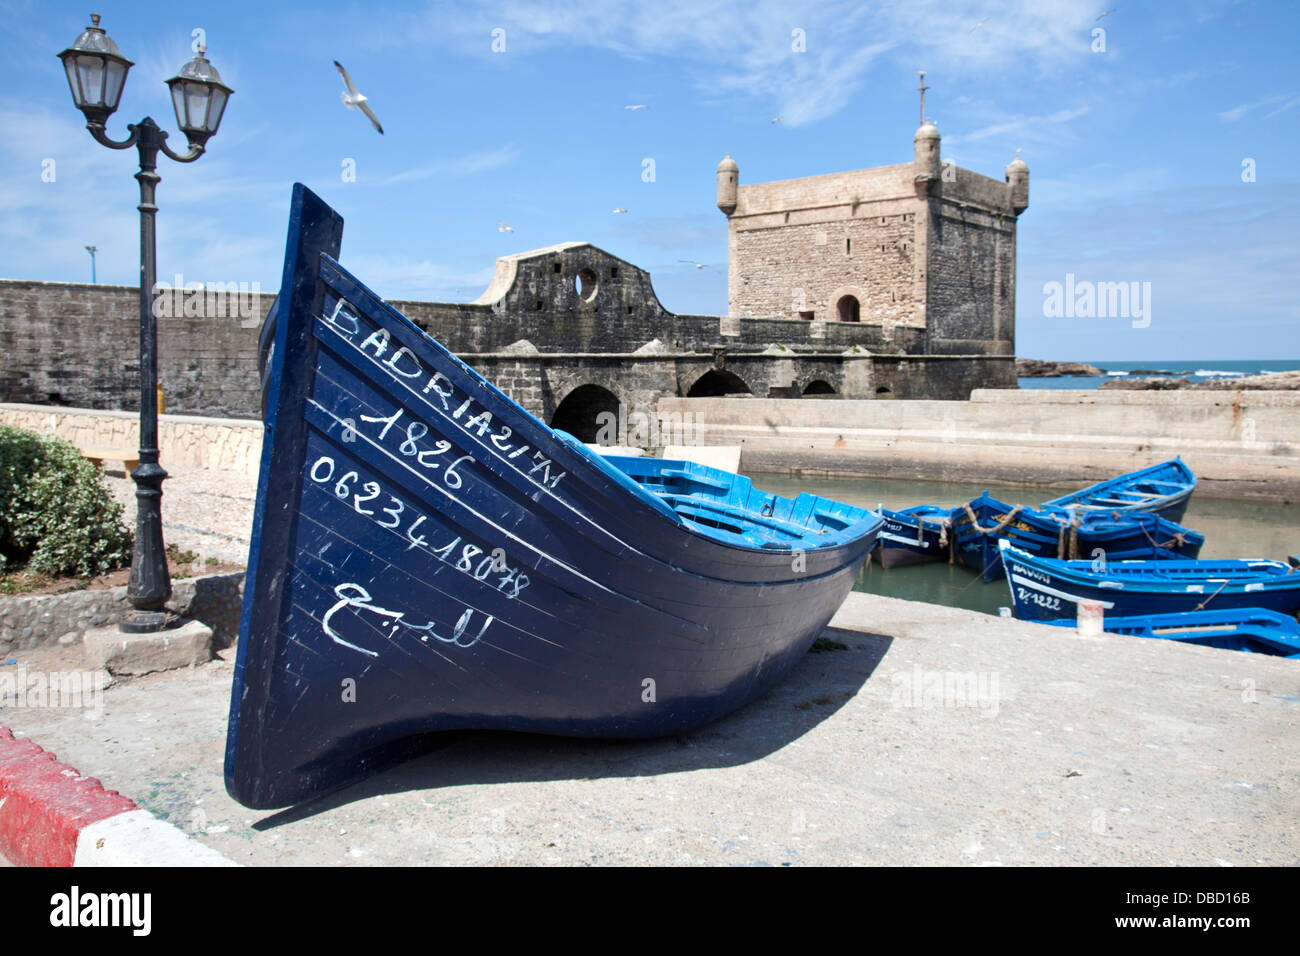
1256	630
428	556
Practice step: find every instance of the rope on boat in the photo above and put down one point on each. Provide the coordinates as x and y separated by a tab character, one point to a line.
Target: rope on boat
1173	544
1006	519
1201	606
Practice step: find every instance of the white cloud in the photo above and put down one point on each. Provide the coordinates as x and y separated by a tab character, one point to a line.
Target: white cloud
1282	102
1026	128
744	47
456	166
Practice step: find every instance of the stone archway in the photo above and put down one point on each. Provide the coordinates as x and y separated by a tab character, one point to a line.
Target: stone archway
584	410
717	382
819	387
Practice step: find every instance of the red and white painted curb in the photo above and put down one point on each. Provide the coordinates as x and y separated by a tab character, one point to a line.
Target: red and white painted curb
50	815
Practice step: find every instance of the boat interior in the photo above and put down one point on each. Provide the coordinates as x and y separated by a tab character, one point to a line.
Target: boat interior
729	508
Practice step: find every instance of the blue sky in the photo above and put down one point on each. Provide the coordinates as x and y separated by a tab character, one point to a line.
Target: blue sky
1135	153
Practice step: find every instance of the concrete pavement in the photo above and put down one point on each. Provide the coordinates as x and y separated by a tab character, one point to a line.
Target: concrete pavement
938	736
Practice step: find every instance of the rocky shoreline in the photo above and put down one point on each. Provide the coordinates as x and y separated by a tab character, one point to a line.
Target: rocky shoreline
1035	368
1275	381
1157	379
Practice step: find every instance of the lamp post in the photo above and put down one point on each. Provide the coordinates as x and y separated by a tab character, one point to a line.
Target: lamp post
96	74
92	250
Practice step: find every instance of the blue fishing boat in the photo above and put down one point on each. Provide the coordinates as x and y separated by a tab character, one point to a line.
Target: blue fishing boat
913	535
1043	589
1252	629
1163	489
428	556
979	525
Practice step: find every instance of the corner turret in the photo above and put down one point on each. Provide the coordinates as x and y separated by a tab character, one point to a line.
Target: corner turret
1018	184
728	180
925	159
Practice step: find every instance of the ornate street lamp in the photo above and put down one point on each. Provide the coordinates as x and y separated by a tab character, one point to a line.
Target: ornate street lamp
96	73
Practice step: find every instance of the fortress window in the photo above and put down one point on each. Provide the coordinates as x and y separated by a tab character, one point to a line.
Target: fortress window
848	246
613	272
557	268
585	283
808	316
849	309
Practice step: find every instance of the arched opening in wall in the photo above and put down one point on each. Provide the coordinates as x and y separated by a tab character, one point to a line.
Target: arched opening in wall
718	382
884	391
586	282
819	387
580	414
848	309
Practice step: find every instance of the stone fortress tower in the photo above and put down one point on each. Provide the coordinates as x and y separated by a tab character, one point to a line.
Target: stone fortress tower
925	250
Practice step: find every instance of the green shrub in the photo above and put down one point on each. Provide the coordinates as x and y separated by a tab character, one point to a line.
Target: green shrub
56	514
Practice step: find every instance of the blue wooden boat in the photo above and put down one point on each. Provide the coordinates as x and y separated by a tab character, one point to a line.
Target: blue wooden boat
1254	629
913	535
1043	589
428	556
981	523
1163	489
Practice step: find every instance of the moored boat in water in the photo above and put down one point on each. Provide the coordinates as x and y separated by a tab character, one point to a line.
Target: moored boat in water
427	556
979	525
914	535
1163	489
1048	588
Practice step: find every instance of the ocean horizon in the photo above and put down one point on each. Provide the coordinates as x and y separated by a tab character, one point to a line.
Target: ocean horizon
1196	371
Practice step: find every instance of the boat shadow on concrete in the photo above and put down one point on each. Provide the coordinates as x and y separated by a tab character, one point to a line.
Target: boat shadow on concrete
818	686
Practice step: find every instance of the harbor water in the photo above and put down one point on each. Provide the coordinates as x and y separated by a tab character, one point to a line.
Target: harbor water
1232	529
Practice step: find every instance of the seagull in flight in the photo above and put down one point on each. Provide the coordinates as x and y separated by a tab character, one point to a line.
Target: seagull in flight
698	265
1105	13
777	120
502	227
619	210
980	24
352	98
638	106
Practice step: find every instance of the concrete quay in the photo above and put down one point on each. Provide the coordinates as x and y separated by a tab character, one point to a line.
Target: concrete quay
938	736
1240	444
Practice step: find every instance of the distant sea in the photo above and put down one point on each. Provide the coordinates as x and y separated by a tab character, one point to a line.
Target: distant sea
1193	371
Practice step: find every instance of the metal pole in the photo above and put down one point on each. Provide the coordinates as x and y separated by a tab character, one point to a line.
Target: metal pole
150	584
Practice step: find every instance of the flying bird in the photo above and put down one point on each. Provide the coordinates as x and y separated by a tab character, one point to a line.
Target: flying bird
777	120
1105	13
619	210
980	24
502	227
352	98
639	106
698	265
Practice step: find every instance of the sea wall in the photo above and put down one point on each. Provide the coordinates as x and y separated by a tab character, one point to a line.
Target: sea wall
186	441
1240	444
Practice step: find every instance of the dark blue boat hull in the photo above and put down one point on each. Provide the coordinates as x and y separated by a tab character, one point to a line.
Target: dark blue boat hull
427	556
1044	589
